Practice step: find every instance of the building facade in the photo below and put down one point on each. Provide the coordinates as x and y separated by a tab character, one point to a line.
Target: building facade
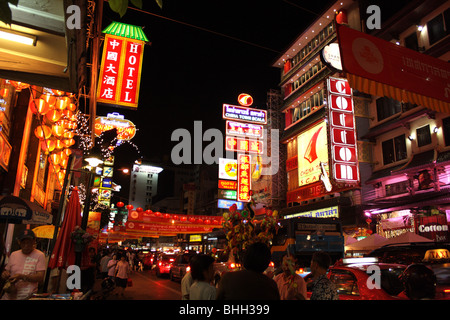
317	183
143	185
408	190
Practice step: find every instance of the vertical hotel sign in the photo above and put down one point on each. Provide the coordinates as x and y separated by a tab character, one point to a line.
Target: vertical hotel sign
343	131
120	71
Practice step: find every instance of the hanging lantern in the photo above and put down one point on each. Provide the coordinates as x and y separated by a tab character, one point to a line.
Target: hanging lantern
68	134
175	217
43	132
158	214
53	115
120	204
63	162
61	103
148	211
48	145
61	174
50	99
4	92
59	144
39	106
58	92
192	219
68	142
57	130
166	216
139	209
129	206
67	152
183	218
67	113
72	107
54	158
207	221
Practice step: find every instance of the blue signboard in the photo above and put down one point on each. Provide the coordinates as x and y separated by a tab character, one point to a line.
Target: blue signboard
226	204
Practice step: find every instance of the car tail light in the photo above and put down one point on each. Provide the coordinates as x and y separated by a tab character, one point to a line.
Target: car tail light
271	264
171	260
232	265
188	269
160	264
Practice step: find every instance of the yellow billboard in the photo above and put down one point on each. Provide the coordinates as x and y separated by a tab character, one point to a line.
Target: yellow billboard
312	151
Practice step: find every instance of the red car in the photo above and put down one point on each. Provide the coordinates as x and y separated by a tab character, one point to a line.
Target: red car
164	264
351	278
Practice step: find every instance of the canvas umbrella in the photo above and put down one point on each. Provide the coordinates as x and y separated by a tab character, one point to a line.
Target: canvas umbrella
63	253
370	243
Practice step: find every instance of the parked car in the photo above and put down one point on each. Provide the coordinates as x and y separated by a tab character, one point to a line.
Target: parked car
181	265
435	255
351	278
164	263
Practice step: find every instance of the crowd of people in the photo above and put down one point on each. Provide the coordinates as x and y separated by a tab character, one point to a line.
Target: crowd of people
25	270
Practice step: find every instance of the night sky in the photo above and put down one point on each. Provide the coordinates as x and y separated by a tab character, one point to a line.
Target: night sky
188	73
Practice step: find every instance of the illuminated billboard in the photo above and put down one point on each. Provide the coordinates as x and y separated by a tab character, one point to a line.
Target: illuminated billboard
244	178
312	151
227	169
126	129
244	114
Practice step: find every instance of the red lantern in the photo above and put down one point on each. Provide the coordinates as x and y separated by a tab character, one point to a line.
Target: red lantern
50	99
53	115
167	216
120	204
175	217
207	221
39	106
129	206
199	220
369	221
43	132
139	209
158	214
183	218
215	221
192	220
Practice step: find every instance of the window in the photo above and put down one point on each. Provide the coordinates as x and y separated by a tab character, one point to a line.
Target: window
446	130
397	188
423	136
411	42
436	29
394	149
345	282
387	107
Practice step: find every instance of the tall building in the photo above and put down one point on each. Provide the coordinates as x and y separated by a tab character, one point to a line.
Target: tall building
143	185
307	135
411	141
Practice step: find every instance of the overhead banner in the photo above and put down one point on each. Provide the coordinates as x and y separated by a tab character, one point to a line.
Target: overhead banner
397	72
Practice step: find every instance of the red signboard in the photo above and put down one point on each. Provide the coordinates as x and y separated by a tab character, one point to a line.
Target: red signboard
385	62
433	227
243	145
244	178
343	131
228	184
120	71
244	129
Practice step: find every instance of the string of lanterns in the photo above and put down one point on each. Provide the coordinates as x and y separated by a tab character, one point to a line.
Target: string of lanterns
56	112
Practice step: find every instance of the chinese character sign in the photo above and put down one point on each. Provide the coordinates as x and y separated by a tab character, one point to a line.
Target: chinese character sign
244	178
120	72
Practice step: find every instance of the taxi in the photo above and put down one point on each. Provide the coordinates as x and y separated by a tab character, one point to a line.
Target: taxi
364	279
164	264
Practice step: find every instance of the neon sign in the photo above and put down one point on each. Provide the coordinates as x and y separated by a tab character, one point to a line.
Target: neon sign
120	71
244	129
243	145
343	131
244	178
126	129
239	113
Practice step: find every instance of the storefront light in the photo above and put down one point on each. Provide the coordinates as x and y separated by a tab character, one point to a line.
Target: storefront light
20	37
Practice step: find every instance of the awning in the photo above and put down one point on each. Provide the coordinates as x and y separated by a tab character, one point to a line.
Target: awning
382	68
17	210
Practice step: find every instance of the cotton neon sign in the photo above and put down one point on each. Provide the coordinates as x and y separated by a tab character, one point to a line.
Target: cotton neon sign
343	131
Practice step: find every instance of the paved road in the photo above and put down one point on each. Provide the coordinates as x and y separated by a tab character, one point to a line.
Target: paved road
146	286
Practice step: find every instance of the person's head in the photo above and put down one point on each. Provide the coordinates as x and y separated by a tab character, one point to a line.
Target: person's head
419	282
288	265
257	257
114	257
27	241
202	267
320	262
